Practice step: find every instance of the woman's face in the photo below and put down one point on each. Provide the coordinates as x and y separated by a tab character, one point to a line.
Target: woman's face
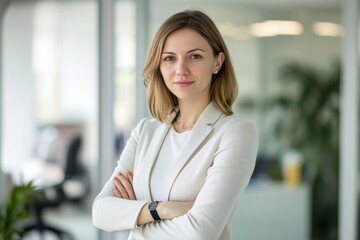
188	64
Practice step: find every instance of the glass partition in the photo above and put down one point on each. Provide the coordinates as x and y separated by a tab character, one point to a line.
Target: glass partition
49	108
125	65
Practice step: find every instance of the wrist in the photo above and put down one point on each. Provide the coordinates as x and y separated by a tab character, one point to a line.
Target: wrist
161	209
153	209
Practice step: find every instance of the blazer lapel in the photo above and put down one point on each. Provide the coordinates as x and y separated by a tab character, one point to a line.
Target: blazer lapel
202	128
153	152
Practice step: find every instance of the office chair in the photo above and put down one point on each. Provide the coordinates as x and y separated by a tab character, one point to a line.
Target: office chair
75	183
54	196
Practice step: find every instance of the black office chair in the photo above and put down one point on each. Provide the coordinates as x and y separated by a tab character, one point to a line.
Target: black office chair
75	183
39	203
54	196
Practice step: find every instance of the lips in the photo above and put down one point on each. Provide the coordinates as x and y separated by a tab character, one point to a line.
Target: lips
183	83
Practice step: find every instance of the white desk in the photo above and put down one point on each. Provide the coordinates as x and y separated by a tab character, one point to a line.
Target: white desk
273	211
42	173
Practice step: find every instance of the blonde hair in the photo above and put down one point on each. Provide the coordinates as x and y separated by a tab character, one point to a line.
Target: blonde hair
223	91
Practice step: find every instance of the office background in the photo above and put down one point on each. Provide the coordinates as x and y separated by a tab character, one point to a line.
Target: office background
74	66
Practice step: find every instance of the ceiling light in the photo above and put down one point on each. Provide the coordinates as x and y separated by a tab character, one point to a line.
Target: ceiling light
327	29
275	28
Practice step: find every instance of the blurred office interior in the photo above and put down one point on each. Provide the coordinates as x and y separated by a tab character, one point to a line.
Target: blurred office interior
71	91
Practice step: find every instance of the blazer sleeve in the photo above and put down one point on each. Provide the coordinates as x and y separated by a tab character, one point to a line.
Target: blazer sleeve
109	212
233	165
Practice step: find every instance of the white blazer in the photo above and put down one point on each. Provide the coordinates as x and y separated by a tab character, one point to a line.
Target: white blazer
214	169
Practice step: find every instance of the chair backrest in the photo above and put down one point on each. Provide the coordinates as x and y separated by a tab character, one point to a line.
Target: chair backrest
72	158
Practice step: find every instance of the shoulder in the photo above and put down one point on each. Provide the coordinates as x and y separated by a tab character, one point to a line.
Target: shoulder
237	125
236	129
147	126
238	133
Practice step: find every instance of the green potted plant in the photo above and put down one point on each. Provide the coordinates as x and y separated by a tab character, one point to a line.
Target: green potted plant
309	123
15	210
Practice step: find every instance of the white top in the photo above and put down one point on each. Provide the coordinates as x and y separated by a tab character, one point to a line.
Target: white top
169	152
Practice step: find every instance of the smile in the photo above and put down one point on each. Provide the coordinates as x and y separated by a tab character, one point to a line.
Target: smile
183	83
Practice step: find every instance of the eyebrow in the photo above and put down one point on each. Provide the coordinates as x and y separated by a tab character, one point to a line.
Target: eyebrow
190	51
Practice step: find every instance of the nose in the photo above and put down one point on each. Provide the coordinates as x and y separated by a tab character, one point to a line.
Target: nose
182	68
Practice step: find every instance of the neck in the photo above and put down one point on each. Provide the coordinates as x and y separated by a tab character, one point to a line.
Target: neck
188	115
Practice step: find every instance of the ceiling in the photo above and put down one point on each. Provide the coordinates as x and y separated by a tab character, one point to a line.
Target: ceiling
274	4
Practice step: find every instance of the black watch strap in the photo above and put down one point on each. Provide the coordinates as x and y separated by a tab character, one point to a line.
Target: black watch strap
152	208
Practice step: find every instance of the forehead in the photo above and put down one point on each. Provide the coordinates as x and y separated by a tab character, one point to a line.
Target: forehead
185	39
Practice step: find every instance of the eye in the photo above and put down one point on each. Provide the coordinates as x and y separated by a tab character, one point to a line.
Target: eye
168	58
196	56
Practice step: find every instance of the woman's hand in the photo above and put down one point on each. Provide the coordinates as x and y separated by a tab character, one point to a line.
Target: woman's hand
123	186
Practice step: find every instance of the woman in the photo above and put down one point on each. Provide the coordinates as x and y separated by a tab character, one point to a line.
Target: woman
181	174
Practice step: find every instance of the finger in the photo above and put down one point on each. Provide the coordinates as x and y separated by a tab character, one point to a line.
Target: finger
127	186
115	189
130	176
121	188
116	192
131	192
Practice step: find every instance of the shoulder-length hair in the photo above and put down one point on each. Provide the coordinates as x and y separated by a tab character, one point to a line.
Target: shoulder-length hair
223	91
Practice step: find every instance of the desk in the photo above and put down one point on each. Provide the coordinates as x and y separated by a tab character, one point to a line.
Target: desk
273	211
43	174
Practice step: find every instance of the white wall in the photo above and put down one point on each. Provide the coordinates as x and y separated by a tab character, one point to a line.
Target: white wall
18	87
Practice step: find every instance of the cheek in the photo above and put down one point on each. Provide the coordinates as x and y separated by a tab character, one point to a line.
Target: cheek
207	74
205	70
166	75
165	72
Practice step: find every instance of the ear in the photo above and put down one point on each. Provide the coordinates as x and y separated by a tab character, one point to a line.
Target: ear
219	59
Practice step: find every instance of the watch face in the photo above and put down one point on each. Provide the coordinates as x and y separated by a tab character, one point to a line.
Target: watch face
152	206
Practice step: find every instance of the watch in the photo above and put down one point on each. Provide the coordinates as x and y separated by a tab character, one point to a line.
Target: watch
152	208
